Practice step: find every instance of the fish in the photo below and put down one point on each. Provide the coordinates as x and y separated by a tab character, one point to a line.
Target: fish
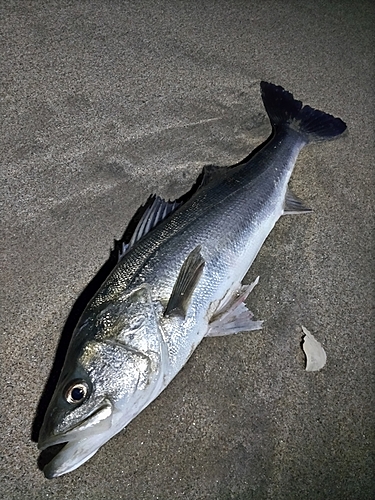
177	281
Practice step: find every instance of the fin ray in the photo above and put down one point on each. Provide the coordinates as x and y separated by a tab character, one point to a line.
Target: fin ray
186	283
157	211
284	111
232	315
294	205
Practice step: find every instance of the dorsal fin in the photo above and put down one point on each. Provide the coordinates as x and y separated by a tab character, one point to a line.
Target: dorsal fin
157	211
211	172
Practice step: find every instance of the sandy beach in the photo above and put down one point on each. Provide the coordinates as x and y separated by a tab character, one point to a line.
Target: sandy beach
106	102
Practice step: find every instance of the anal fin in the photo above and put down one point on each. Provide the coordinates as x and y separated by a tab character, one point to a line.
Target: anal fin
186	283
294	205
232	315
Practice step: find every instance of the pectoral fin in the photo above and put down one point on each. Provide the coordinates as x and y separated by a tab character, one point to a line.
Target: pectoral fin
187	280
294	205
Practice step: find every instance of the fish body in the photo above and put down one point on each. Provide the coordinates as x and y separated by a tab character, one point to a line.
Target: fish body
178	280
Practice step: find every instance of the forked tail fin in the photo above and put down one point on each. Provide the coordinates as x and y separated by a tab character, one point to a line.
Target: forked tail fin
286	112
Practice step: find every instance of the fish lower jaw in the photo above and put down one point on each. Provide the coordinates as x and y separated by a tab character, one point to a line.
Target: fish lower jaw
79	444
68	459
99	418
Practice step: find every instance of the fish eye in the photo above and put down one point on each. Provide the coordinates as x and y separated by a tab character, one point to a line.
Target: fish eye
76	392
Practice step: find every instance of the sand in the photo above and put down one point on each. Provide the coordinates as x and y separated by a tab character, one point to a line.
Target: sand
105	102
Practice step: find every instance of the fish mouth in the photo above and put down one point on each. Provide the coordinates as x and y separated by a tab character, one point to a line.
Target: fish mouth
96	418
74	447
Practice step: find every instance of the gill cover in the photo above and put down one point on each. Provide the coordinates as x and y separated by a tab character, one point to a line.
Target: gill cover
116	364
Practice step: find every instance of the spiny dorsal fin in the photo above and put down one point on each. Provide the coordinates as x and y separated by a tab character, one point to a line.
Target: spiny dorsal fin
294	205
156	212
186	282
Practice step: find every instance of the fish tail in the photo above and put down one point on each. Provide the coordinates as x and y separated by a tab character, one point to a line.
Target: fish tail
286	112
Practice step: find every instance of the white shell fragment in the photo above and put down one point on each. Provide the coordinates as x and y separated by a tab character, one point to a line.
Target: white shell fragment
315	354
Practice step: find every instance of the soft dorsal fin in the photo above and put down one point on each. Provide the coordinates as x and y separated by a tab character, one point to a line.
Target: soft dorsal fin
211	172
157	211
186	282
294	205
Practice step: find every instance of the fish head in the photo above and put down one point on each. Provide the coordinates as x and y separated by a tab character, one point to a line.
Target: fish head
113	369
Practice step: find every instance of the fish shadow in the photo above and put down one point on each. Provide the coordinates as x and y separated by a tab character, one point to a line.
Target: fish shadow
85	297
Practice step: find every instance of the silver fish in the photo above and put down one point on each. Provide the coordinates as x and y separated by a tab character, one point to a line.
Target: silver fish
178	280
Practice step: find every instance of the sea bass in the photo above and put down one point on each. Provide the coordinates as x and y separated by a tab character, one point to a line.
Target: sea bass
177	281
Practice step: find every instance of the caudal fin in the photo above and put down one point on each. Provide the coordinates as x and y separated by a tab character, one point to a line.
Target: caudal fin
285	111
